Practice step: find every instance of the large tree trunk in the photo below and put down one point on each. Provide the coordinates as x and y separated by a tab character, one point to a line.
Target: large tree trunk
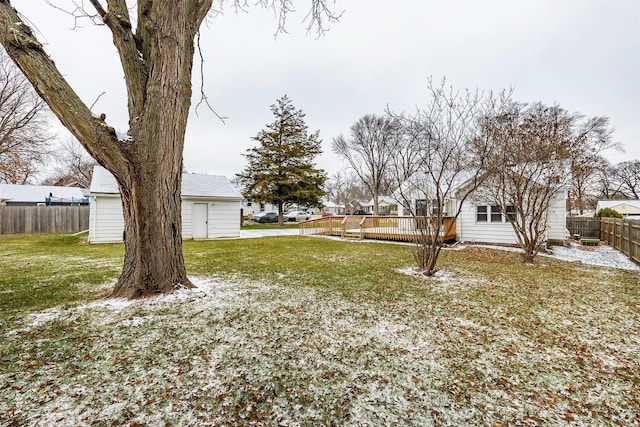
147	163
153	261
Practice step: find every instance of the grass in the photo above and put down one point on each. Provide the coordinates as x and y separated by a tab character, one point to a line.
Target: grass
307	331
40	272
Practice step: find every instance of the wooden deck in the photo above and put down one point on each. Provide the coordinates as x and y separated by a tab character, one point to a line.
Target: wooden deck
396	228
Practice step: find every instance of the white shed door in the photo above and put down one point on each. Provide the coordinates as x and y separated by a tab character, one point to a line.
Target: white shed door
200	216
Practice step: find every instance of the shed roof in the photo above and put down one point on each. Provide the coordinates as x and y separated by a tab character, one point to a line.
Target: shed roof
37	193
193	185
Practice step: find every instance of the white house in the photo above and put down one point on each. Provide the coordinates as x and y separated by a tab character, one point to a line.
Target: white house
332	207
628	208
481	222
210	208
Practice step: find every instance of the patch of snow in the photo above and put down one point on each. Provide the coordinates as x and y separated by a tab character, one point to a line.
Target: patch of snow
252	234
204	288
44	317
113	304
603	256
134	321
124	136
440	275
468	323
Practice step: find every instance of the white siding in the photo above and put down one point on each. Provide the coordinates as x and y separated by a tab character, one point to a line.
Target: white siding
187	214
106	223
468	230
557	217
224	219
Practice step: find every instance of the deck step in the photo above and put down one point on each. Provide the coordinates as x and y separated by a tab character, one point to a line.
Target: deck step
351	235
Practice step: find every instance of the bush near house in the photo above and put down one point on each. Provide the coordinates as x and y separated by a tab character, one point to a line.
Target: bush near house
608	213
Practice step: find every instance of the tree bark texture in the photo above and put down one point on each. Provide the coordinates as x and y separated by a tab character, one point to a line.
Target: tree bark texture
147	163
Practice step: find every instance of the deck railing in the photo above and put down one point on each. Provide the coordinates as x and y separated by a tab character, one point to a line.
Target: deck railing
397	228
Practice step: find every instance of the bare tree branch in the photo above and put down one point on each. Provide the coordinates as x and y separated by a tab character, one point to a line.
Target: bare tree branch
75	166
369	151
23	126
440	164
25	50
203	96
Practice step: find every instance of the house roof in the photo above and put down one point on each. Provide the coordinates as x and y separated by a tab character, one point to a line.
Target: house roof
38	193
383	199
632	206
193	185
329	204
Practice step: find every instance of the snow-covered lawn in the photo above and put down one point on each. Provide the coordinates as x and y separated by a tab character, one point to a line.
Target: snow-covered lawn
603	256
466	348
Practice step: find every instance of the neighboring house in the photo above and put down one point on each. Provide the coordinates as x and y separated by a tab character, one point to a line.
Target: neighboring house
354	205
386	206
42	195
250	207
210	208
332	207
628	208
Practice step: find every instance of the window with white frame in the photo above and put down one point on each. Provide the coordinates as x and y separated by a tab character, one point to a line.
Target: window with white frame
496	215
481	213
490	214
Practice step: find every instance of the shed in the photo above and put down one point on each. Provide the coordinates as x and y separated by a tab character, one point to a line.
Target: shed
210	208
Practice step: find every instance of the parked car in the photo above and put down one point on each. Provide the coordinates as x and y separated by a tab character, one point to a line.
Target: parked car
361	212
326	214
297	216
265	217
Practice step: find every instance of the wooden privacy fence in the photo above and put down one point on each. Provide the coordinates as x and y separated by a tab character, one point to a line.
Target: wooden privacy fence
43	219
623	235
585	228
399	228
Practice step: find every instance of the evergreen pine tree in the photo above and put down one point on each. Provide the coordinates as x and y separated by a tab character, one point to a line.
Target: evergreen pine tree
281	169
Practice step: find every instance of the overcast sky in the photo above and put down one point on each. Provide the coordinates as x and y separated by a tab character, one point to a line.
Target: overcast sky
582	54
